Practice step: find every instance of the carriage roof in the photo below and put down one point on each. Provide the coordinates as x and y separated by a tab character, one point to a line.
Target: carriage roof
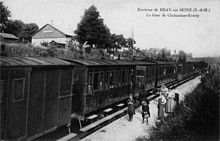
107	62
163	62
29	61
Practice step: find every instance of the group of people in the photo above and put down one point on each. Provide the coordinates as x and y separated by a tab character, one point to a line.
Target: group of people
167	100
145	109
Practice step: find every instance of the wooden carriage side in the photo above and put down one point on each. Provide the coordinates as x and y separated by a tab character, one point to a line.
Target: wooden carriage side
164	71
100	83
33	102
14	83
145	76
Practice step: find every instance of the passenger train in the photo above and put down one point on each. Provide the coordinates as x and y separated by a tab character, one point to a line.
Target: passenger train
39	95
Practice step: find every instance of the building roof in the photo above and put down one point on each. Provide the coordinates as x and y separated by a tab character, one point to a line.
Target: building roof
107	62
8	36
50	26
29	61
163	62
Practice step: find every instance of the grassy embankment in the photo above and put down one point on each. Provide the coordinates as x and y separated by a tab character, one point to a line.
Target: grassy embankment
28	50
197	117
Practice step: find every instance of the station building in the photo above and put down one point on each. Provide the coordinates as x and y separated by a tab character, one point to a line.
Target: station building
50	34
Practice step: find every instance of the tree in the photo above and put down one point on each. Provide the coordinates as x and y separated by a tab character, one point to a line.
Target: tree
4	15
92	30
165	54
182	56
15	27
28	31
23	31
130	43
119	41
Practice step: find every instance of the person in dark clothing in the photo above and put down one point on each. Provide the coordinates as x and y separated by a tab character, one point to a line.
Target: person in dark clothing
131	108
145	110
176	97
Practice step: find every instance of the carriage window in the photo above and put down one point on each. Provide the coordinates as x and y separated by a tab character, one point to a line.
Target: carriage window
123	77
130	74
111	79
75	77
90	84
101	83
106	84
96	81
18	89
118	78
140	74
1	90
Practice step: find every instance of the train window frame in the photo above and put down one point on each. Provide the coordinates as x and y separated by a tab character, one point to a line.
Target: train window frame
99	81
111	86
117	78
130	74
90	84
1	90
95	83
106	80
13	89
123	77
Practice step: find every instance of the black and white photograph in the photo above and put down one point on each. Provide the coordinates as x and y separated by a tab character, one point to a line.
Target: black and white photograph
109	70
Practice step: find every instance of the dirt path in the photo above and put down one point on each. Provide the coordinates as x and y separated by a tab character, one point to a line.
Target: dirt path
124	130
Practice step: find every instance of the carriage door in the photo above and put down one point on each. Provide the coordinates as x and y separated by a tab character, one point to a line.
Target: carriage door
65	97
17	103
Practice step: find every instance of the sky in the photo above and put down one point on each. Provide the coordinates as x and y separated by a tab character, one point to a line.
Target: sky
197	35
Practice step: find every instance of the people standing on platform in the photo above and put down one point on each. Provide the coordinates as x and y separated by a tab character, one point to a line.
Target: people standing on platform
176	92
170	104
145	110
164	90
161	106
131	108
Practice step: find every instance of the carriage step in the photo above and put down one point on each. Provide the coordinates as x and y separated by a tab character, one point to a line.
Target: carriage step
102	121
92	117
71	136
120	105
107	111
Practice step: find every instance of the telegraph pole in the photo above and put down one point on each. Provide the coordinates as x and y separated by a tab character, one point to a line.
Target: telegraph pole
132	36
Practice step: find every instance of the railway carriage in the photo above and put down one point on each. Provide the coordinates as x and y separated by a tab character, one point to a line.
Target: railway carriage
100	83
166	72
145	77
35	96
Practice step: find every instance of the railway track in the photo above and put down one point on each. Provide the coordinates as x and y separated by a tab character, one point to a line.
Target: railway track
62	134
